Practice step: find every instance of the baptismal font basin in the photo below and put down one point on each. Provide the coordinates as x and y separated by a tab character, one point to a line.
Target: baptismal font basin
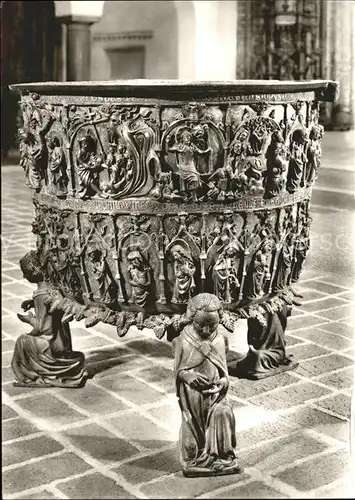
147	193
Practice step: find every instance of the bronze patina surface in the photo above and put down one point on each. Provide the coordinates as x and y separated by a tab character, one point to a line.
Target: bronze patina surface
148	193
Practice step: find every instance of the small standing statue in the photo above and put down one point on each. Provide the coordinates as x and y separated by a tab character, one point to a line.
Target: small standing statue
275	165
207	437
89	166
57	167
184	270
301	248
101	271
111	165
225	275
185	161
259	272
314	152
32	153
284	263
139	275
297	160
44	357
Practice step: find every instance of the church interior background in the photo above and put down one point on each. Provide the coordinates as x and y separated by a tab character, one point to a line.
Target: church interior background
242	39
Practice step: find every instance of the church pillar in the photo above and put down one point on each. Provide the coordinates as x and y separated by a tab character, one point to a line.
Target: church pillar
340	47
76	18
186	39
216	47
207	39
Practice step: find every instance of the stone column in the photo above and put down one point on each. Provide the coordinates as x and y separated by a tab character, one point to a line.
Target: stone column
77	18
77	47
186	39
340	47
207	34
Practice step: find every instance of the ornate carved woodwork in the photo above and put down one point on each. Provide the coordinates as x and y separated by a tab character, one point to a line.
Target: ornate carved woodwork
148	194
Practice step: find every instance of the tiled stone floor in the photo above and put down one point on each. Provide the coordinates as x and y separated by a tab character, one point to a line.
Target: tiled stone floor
117	437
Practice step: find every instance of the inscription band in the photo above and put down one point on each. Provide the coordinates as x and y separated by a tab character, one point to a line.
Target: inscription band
149	206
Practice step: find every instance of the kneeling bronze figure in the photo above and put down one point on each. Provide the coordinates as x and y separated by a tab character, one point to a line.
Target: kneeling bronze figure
207	438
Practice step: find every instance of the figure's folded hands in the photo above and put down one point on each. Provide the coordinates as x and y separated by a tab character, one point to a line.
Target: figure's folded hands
200	383
219	386
29	318
27	304
195	381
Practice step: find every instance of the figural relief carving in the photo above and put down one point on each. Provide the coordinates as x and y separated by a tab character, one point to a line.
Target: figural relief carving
142	205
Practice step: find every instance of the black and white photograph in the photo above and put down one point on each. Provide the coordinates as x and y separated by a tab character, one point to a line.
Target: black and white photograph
178	249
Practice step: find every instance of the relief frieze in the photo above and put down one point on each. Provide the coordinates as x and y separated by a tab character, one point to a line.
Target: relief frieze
191	153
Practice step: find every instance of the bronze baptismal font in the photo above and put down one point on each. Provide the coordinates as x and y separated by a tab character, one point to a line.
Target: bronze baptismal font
180	206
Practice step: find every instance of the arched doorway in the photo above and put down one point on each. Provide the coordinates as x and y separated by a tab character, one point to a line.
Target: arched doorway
30	42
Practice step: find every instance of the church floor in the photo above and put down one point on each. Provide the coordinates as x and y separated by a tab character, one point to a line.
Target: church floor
117	437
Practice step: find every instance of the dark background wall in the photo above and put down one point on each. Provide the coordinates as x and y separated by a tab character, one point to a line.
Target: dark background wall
30	45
